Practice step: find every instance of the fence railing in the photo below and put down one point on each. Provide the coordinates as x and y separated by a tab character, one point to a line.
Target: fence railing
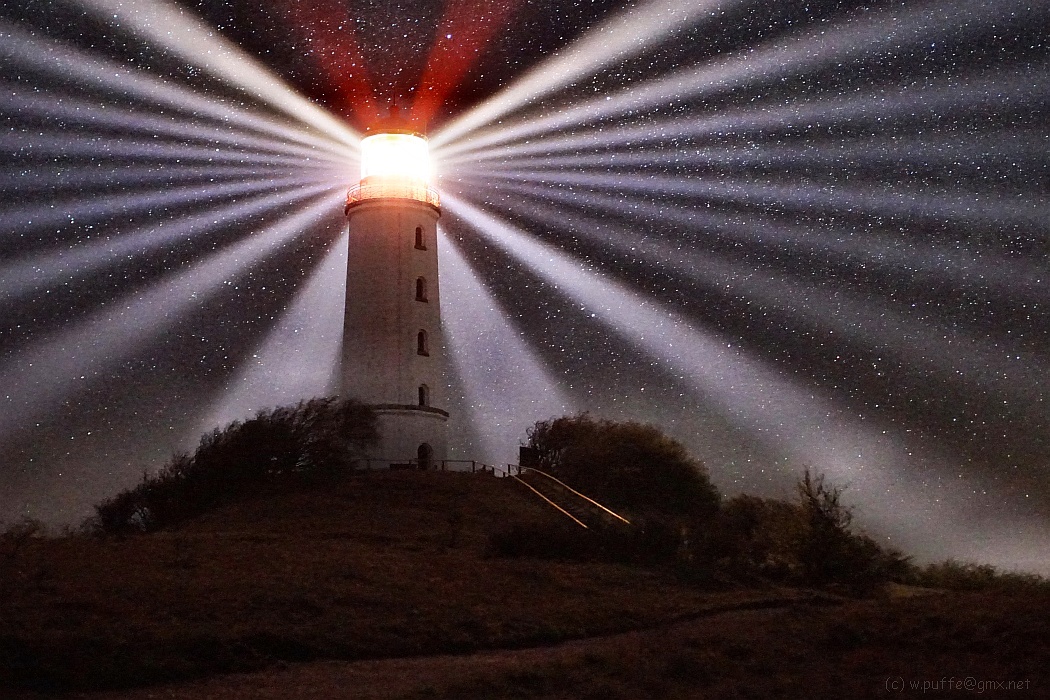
441	465
393	190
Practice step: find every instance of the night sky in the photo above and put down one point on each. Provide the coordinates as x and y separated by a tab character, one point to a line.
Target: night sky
792	234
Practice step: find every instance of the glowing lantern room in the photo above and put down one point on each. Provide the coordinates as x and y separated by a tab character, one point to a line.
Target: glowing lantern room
394	165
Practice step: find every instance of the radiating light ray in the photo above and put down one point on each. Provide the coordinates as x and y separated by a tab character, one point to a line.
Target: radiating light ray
629	33
72	112
21	49
465	30
113	151
995	92
83	177
300	354
923	261
936	153
507	386
51	368
44	270
975	207
876	461
892	31
95	208
337	51
940	351
174	28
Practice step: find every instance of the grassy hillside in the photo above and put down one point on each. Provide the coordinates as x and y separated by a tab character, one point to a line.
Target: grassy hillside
378	564
399	567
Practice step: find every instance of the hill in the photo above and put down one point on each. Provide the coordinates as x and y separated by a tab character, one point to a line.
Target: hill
399	565
377	564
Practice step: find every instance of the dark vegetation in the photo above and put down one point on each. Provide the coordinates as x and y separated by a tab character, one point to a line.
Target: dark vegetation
265	546
680	521
625	465
283	447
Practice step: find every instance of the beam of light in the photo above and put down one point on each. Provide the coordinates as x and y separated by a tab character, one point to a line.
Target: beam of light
995	91
45	270
172	27
893	31
35	179
937	264
48	369
337	52
1003	209
461	38
629	33
21	49
973	154
299	356
94	208
507	387
50	147
1000	371
876	461
90	115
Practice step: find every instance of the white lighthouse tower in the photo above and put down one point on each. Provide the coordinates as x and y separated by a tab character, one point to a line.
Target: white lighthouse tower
393	350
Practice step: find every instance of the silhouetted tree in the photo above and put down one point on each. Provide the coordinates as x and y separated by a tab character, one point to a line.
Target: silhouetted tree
824	553
291	444
809	541
829	551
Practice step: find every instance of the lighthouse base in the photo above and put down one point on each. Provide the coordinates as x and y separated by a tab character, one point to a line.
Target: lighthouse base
410	437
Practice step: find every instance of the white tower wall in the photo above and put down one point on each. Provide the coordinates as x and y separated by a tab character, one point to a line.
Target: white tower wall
382	364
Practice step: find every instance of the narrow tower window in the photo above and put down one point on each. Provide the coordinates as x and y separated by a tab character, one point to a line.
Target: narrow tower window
424	395
420	245
421	289
422	347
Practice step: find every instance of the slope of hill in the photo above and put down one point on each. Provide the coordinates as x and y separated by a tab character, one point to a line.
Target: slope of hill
379	564
389	580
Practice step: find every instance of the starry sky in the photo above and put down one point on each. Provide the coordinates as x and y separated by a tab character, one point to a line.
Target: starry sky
793	234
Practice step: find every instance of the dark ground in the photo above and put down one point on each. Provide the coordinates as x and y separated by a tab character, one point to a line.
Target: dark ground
384	586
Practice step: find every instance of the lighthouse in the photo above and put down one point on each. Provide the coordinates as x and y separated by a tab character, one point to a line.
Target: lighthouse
393	355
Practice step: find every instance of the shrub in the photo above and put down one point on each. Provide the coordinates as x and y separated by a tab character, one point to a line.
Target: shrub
830	552
959	576
825	549
627	466
291	444
13	540
758	537
807	542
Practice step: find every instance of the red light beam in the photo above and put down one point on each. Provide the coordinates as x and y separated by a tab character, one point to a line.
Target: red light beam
464	32
329	31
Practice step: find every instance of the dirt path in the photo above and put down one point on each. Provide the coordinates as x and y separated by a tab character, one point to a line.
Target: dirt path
397	678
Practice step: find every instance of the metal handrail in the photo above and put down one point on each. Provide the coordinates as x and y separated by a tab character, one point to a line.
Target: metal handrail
535	491
569	488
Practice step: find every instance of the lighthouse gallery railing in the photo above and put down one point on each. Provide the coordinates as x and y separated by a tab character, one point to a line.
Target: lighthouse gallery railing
393	190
